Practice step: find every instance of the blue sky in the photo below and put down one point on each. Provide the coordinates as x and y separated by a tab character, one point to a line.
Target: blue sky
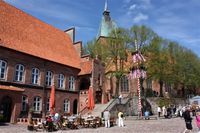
177	20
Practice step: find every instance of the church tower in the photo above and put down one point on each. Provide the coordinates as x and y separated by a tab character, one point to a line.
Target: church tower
107	24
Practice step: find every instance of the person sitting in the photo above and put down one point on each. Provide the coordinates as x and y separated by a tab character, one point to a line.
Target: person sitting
49	123
146	115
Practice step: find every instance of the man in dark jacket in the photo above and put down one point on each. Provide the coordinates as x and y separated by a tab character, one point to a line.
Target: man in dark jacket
188	120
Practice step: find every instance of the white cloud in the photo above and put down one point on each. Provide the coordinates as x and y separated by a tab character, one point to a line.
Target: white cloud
132	7
140	17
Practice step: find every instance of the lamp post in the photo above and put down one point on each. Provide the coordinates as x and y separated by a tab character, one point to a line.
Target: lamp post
138	72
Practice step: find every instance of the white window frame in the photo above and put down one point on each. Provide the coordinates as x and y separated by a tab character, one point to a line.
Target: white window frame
37	103
61	81
3	69
24	103
66	106
35	76
19	72
71	83
49	78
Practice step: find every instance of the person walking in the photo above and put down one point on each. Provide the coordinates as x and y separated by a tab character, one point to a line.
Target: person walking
188	120
163	111
159	111
120	119
120	98
198	120
106	116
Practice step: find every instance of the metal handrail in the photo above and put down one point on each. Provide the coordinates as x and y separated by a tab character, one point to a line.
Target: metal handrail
110	104
116	101
83	110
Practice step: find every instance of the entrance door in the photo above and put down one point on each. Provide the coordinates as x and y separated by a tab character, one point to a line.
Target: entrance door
98	96
75	106
6	107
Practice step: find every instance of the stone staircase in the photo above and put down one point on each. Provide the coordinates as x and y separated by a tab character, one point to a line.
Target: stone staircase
100	108
133	109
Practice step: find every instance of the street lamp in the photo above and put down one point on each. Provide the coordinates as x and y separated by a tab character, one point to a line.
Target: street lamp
138	72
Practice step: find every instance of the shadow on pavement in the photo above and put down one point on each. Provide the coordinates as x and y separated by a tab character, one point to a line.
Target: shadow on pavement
4	124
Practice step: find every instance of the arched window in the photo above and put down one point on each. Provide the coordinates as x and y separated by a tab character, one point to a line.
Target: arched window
19	72
49	77
48	104
71	83
66	105
61	79
24	103
124	84
35	75
3	69
37	103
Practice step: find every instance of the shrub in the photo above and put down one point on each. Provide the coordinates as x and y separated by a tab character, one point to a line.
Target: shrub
165	102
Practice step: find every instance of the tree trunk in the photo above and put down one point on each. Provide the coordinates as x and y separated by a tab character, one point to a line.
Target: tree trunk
161	88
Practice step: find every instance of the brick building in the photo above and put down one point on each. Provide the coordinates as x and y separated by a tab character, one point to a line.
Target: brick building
33	57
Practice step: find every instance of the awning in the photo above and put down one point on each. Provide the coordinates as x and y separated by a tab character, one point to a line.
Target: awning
11	88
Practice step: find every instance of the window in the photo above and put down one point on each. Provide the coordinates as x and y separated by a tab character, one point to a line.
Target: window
24	103
3	68
61	79
48	104
49	77
149	84
37	104
66	105
19	72
124	84
35	76
71	83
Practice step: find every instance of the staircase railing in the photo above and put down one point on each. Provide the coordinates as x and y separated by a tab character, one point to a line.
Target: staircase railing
112	104
115	101
83	110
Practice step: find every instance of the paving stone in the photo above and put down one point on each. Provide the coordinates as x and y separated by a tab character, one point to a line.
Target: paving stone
174	125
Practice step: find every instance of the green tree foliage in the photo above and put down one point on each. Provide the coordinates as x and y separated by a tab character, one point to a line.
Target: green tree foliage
167	62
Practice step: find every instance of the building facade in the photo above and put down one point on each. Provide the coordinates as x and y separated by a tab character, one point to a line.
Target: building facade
34	56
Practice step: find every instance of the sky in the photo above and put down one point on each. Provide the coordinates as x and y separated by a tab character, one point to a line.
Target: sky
176	20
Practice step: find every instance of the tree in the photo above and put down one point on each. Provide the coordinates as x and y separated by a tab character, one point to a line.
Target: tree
143	35
158	62
117	48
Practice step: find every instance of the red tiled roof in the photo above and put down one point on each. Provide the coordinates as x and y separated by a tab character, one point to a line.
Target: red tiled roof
22	32
86	68
10	88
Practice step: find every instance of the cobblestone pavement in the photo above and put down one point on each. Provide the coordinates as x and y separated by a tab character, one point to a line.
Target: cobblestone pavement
174	125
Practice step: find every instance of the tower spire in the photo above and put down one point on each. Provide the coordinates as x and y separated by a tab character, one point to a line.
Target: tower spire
106	5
